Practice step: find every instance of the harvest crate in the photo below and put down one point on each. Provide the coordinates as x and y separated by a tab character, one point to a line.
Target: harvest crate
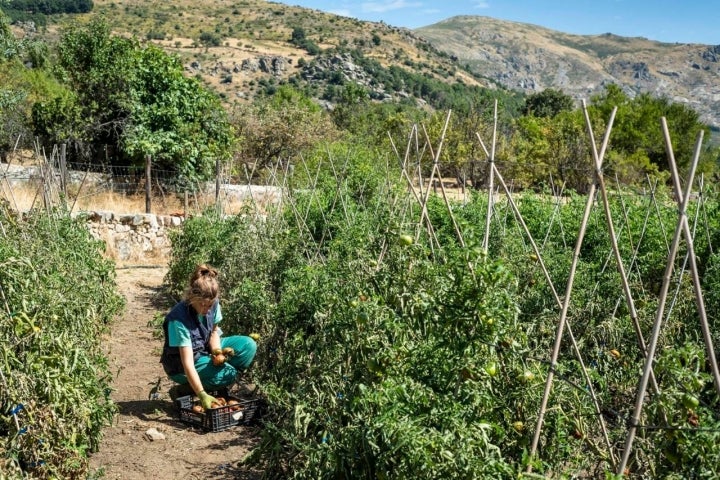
246	412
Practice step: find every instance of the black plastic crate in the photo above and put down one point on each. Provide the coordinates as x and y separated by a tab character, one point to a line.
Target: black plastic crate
245	412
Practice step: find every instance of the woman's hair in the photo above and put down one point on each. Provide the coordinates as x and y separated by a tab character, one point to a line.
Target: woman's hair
203	284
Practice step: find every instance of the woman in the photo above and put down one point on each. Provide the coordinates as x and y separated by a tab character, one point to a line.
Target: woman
194	353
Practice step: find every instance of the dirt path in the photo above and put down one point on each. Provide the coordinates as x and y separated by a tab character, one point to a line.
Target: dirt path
126	451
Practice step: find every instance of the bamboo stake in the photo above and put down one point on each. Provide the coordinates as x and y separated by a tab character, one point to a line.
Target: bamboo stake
436	160
576	348
447	204
683	269
566	305
491	188
705	327
705	216
599	178
657	325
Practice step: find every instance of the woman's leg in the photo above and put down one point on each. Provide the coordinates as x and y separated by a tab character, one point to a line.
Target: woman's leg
244	347
212	377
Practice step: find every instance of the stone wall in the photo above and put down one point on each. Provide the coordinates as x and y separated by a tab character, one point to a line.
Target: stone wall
133	238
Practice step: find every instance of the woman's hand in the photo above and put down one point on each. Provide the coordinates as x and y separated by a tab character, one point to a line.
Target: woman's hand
206	400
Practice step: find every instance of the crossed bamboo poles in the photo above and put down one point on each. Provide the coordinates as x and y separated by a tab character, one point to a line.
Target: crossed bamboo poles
597	187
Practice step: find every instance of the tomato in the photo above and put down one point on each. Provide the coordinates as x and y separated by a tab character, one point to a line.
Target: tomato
491	369
527	376
690	401
228	351
518	426
362	318
406	240
255	336
218	359
615	353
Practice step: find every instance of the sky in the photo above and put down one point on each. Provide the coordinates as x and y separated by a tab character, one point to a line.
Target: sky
689	21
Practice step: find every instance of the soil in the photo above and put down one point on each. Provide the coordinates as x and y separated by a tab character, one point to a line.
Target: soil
141	392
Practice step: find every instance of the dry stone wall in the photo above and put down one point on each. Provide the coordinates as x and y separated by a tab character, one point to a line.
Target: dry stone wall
140	238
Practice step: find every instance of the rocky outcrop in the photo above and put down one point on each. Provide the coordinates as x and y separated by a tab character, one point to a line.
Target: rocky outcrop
532	58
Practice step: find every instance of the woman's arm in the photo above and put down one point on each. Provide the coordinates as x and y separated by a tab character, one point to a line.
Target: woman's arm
188	363
214	341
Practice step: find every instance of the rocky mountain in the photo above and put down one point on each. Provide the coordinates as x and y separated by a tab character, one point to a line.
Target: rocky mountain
531	58
244	48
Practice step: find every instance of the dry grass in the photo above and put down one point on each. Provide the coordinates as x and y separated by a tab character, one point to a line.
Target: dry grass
27	197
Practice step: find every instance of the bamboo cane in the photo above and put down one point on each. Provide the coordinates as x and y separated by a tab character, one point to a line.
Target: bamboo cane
657	324
566	305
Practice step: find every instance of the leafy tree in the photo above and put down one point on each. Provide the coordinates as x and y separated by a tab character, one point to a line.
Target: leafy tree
299	39
637	127
352	102
8	42
547	103
50	7
278	127
136	100
546	148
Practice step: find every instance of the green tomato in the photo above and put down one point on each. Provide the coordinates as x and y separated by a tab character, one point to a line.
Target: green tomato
406	240
518	426
491	369
690	401
527	376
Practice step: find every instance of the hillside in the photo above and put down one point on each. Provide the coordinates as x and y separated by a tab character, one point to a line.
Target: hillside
242	48
532	58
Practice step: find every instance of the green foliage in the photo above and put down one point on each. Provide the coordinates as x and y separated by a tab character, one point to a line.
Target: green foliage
50	7
299	39
637	128
388	353
279	127
58	298
547	103
554	148
20	87
137	100
9	45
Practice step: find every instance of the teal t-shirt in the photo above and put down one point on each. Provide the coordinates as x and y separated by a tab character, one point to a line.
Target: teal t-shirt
179	336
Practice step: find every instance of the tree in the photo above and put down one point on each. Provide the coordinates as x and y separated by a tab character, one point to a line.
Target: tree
136	100
637	130
547	103
278	127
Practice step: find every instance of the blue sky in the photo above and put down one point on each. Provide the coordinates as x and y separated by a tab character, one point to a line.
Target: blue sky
689	21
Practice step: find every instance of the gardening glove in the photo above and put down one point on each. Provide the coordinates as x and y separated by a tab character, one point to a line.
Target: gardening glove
206	400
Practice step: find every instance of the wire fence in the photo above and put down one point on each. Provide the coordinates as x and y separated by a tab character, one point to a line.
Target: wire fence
51	180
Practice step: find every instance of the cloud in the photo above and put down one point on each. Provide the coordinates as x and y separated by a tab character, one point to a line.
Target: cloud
381	7
481	4
343	12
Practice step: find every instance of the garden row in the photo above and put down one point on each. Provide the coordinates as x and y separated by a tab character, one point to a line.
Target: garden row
399	348
57	296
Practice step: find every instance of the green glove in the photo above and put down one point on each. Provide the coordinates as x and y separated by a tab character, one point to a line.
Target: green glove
206	400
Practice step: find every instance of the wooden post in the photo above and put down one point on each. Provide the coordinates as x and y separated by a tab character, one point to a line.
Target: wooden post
217	185
185	206
148	184
63	169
